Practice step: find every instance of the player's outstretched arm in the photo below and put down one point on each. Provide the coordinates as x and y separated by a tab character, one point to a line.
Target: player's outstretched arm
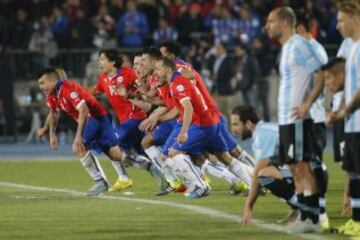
254	190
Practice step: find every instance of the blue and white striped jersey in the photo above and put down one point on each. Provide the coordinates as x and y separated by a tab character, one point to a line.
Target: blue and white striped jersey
352	86
344	49
298	62
317	110
336	101
265	140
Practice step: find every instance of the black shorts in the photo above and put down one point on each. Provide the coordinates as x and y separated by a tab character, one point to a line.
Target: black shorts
319	139
339	141
351	162
296	142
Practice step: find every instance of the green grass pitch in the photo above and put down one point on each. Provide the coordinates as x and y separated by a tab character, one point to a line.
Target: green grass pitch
33	214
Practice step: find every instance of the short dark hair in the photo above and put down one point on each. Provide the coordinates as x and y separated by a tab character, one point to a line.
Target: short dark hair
335	65
113	55
245	113
168	63
172	47
51	72
286	14
153	52
138	53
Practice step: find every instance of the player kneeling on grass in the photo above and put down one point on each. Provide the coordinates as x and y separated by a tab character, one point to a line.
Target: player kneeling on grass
267	173
94	127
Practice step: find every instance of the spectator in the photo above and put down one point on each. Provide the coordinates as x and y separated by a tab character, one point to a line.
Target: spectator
102	37
164	32
21	29
247	72
132	27
220	22
60	27
117	8
247	26
42	44
190	22
104	16
261	51
81	32
222	73
151	11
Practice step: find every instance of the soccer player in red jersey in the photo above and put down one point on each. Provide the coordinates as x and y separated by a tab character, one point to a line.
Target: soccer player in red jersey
118	83
172	50
94	128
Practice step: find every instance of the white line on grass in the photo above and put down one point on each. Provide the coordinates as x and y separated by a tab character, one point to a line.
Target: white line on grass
198	209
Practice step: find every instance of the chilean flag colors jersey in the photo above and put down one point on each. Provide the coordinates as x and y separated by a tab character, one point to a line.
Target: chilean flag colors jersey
180	89
123	108
70	96
199	83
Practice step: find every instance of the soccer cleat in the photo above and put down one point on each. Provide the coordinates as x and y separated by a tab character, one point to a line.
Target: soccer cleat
121	184
177	186
198	192
324	222
98	188
351	228
164	188
238	188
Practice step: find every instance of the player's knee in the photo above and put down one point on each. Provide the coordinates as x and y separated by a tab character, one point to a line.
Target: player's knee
173	152
198	160
147	141
115	153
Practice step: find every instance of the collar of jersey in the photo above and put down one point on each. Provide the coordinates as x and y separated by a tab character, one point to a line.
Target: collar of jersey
175	74
115	74
179	60
58	86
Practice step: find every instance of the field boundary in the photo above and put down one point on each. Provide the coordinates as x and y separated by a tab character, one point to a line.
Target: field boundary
202	210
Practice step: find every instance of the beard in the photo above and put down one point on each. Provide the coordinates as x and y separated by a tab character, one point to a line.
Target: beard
246	134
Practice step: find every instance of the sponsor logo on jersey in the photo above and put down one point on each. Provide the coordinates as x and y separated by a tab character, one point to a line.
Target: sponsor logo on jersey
180	88
120	79
74	95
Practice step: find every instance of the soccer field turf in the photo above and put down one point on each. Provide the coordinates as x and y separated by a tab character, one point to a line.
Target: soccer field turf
42	200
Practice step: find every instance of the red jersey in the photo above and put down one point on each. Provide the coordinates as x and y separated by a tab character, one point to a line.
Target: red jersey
123	108
180	89
164	93
153	81
70	96
199	83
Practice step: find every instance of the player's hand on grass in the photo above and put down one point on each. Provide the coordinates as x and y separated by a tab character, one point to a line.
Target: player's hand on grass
78	145
246	218
54	142
346	207
182	137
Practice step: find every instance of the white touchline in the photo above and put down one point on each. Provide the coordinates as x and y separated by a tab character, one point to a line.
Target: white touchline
198	209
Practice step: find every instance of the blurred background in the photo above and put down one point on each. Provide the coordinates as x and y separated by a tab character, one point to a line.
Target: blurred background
68	33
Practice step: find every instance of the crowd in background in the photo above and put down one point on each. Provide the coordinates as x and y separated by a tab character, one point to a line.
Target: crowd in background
104	23
223	39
